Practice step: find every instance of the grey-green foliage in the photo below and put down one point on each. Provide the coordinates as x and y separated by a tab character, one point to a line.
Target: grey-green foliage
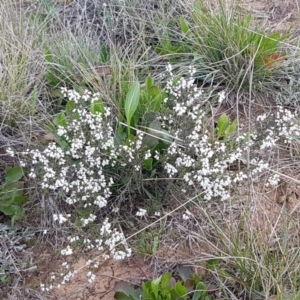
12	256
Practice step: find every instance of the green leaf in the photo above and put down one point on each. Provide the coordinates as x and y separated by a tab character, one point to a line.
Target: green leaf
232	127
48	56
12	210
180	289
122	296
132	102
153	91
19	200
165	279
149	195
223	123
196	278
125	291
148	82
13	174
149	117
148	164
197	295
69	106
104	55
18	185
97	107
200	291
155	287
157	103
61	119
212	263
135	119
183	25
52	82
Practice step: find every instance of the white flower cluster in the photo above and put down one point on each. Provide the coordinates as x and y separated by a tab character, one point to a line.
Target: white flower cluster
75	167
199	158
285	126
141	212
187	215
273	180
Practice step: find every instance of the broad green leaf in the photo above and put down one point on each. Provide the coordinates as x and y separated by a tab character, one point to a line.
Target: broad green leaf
197	295
132	101
148	164
155	287
61	119
69	106
7	196
124	289
157	103
200	292
223	123
97	107
18	215
11	210
18	185
13	174
201	287
149	116
135	119
180	290
183	25
165	279
156	131
196	278
153	91
149	82
53	81
65	145
232	127
20	200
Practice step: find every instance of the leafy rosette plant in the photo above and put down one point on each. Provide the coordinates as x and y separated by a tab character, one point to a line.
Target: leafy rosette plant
166	287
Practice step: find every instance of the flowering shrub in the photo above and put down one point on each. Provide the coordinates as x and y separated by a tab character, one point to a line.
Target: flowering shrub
198	157
87	165
77	168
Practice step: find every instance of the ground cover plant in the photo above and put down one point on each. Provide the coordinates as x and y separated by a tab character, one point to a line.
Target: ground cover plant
167	130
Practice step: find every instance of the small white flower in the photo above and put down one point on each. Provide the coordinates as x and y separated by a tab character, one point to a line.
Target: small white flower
141	212
221	96
187	215
67	251
10	152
